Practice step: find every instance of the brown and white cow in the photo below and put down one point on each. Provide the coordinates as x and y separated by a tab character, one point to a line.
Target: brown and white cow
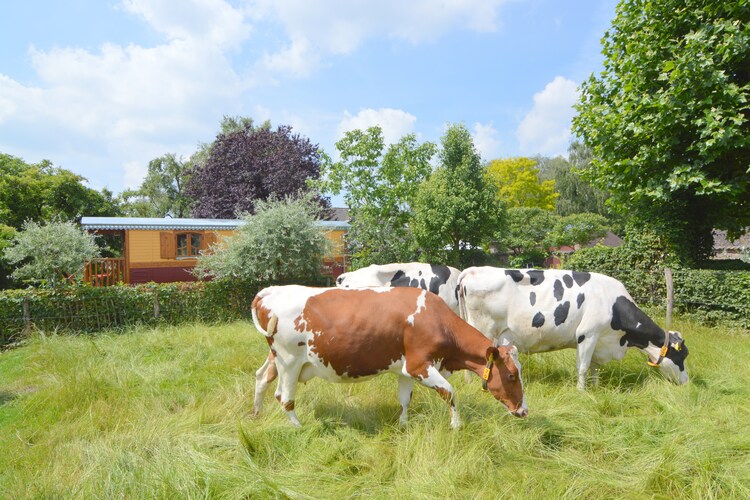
546	310
348	335
438	279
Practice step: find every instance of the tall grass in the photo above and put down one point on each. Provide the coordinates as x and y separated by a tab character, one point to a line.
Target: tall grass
164	413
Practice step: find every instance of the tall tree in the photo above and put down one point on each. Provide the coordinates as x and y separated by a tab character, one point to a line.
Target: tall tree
668	119
162	192
42	192
455	209
379	190
576	195
518	183
248	165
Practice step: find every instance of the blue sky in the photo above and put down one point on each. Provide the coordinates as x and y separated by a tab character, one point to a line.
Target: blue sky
100	87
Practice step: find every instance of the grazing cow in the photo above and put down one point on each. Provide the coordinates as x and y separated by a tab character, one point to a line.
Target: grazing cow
347	335
540	311
440	280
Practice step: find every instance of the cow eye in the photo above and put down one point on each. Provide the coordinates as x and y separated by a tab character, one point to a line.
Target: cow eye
512	377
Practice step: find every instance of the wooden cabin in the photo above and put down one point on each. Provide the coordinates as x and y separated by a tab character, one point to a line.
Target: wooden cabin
166	250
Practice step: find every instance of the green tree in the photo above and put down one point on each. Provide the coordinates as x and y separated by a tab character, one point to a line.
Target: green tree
455	209
50	253
162	192
518	183
379	190
576	195
42	191
668	119
532	234
578	229
281	243
6	238
526	235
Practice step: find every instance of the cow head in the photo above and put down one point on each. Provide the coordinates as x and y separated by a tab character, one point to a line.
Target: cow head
672	365
504	378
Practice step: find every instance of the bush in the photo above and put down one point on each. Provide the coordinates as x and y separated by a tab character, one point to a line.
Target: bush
85	309
281	243
714	296
50	253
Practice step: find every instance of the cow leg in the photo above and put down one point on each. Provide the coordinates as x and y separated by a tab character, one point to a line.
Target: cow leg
288	378
584	353
438	382
264	376
405	389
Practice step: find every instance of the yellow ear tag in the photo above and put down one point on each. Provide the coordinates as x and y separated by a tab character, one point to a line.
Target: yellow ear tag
486	373
676	346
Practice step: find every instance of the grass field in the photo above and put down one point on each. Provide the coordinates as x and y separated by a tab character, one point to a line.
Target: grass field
164	413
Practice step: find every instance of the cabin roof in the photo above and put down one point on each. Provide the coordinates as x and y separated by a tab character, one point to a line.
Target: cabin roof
177	224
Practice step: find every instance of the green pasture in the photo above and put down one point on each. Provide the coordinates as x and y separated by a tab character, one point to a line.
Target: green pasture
163	413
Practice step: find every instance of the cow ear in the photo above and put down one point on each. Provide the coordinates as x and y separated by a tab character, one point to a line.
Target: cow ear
492	350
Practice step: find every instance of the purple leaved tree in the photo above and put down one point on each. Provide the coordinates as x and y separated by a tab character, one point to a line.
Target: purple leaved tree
252	164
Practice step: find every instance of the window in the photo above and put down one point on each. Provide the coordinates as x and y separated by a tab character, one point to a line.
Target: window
188	244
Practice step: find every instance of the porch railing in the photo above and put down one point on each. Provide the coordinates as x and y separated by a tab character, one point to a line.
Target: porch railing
104	272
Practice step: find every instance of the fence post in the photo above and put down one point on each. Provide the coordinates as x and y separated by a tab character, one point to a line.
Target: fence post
26	313
670	295
156	304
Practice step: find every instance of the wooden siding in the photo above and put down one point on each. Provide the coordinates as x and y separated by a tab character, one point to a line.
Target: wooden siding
338	245
144	247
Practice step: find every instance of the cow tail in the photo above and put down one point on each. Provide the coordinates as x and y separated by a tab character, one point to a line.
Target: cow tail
272	321
462	299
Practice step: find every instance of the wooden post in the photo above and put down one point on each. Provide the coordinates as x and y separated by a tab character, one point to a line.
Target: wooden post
156	304
26	314
670	296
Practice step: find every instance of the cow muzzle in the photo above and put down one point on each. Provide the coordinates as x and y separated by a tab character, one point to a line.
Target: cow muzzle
520	412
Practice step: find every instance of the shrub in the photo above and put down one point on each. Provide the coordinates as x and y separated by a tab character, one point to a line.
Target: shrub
50	253
86	309
281	243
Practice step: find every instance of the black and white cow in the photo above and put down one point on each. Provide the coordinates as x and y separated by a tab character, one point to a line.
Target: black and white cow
440	280
541	311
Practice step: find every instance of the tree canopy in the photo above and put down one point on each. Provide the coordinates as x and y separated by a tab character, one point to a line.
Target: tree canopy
249	164
43	191
668	119
379	189
518	183
162	192
455	209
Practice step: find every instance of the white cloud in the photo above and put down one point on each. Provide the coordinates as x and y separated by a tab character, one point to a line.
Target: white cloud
214	21
130	102
486	141
335	27
395	123
545	129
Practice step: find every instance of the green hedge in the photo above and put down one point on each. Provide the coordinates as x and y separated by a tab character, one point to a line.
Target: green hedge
87	309
714	296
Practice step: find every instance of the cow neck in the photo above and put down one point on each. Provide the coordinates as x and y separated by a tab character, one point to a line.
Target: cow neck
471	347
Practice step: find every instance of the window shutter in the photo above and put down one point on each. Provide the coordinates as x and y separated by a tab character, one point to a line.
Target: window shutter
168	246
